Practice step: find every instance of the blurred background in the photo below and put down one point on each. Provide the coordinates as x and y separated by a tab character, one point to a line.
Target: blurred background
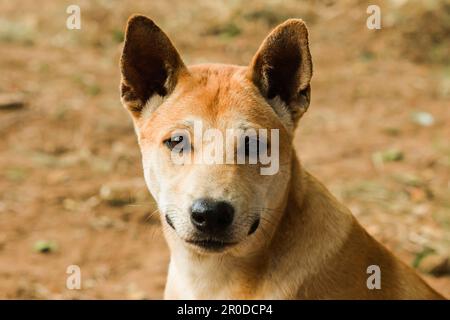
71	188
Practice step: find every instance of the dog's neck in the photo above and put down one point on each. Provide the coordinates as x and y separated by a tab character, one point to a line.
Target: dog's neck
310	215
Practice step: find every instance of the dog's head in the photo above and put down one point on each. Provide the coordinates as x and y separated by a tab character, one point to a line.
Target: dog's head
216	140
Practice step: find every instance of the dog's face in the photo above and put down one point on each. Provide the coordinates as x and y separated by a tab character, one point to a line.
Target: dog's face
202	131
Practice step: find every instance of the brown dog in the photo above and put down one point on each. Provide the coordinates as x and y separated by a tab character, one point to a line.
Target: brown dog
232	231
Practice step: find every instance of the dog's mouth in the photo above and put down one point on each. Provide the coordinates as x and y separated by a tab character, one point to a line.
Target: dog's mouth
211	244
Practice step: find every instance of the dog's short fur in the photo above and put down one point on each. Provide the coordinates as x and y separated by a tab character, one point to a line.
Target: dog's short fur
307	245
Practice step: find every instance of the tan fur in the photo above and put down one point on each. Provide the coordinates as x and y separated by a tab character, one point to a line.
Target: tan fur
308	245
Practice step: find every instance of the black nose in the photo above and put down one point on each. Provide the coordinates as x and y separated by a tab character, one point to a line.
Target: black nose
211	216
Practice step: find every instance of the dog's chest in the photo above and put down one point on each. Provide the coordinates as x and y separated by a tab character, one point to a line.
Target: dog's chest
207	280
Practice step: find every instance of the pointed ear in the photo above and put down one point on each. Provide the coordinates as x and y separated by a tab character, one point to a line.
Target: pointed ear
150	64
282	68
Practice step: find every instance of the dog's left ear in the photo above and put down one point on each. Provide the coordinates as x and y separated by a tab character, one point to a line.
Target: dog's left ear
282	67
150	65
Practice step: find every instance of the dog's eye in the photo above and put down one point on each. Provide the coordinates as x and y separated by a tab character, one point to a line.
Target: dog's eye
251	146
255	147
177	142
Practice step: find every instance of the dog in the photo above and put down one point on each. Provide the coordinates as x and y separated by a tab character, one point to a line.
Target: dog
233	232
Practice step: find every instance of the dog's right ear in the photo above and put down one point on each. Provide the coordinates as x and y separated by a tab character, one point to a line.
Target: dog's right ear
282	67
150	65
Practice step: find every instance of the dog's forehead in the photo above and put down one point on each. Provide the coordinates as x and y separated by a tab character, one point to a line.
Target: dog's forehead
223	93
220	96
220	87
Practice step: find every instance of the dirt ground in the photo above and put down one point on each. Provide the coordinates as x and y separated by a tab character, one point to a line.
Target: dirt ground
71	188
